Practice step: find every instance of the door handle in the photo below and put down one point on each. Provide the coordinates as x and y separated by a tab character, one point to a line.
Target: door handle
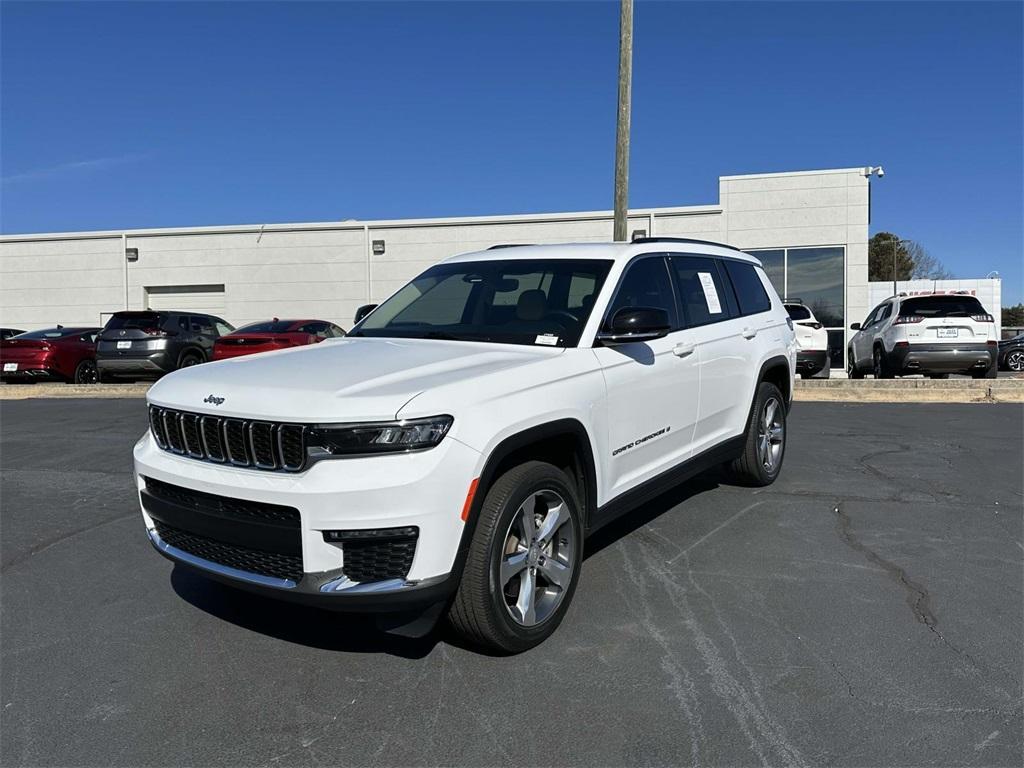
682	349
748	333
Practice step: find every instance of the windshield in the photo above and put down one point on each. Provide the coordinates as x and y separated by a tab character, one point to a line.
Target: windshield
522	301
270	326
798	312
941	306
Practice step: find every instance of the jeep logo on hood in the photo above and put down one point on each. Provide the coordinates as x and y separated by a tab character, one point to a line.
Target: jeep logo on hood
213	399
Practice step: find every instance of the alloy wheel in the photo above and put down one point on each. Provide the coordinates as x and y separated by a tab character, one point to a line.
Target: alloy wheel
86	373
877	367
1015	360
771	434
537	558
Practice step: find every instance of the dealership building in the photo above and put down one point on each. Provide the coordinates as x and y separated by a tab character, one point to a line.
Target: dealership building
809	228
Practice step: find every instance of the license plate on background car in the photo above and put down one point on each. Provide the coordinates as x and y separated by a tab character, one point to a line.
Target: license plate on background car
10	366
948	333
124	345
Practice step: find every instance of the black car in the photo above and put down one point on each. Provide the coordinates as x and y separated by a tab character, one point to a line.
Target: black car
149	343
1011	353
6	333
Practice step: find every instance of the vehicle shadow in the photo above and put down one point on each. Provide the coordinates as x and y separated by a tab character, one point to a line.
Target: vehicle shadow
359	633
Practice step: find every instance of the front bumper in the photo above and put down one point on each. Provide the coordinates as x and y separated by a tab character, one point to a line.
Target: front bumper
405	490
811	361
942	358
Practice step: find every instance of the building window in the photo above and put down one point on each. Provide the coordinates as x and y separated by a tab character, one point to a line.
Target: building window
816	276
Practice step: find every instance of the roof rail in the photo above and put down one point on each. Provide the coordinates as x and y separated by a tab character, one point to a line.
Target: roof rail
792	300
682	240
507	245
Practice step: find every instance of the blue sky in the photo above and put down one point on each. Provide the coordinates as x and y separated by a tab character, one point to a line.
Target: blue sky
150	114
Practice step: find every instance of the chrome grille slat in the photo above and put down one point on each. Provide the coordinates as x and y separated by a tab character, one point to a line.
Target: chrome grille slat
262	445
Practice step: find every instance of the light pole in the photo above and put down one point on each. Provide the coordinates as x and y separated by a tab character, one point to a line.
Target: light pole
622	120
896	243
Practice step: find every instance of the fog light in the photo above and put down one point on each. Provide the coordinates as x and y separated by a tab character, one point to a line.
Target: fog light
370	534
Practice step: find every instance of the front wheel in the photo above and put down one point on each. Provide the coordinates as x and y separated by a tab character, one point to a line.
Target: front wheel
852	371
765	444
523	562
1014	360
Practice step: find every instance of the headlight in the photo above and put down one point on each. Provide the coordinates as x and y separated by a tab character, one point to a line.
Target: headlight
384	437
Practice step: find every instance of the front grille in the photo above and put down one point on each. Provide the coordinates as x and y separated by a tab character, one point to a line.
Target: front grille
243	443
382	555
224	506
231	555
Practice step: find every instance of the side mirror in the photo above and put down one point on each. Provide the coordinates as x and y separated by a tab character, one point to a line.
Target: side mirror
631	324
855	327
364	310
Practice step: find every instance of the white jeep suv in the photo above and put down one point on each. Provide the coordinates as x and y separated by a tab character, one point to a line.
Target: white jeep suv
932	334
811	340
451	454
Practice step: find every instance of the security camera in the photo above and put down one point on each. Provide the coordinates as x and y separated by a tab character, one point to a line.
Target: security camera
880	171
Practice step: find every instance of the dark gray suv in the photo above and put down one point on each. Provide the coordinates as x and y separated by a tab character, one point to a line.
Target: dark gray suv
151	343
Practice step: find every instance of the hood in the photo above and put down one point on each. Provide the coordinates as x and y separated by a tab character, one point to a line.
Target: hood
351	379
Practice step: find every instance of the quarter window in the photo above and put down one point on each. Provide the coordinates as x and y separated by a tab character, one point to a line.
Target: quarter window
750	292
646	284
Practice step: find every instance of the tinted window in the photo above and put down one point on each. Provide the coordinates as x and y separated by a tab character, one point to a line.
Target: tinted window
269	326
749	289
702	292
815	276
883	312
941	306
798	312
514	301
143	321
202	324
646	284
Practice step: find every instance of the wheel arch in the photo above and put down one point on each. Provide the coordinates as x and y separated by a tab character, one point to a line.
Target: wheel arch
188	350
776	370
563	442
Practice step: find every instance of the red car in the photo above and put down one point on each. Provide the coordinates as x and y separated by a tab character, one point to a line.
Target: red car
274	334
63	354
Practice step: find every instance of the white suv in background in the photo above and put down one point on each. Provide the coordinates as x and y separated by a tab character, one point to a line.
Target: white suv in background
450	455
932	334
811	340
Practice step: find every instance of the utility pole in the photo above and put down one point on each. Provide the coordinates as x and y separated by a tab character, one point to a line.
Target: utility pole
622	123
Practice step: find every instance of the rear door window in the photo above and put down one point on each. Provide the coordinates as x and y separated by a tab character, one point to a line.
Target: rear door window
750	292
702	292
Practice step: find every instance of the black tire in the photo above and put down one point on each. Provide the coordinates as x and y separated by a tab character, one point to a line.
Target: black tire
86	373
988	373
881	368
480	611
938	375
750	468
188	359
805	375
852	371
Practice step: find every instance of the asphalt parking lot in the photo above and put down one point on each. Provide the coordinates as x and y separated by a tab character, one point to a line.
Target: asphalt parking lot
865	610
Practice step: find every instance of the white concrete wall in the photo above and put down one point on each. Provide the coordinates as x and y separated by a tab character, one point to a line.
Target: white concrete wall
811	208
327	270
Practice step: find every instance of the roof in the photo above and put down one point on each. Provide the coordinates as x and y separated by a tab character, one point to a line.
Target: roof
607	251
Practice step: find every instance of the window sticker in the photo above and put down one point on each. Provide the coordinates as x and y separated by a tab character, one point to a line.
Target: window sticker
547	339
710	293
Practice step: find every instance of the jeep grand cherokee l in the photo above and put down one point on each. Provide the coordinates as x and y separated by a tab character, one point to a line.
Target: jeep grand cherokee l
450	455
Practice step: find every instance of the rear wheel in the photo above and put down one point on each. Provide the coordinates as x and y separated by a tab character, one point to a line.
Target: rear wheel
852	371
988	373
765	444
881	364
86	373
523	562
188	359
